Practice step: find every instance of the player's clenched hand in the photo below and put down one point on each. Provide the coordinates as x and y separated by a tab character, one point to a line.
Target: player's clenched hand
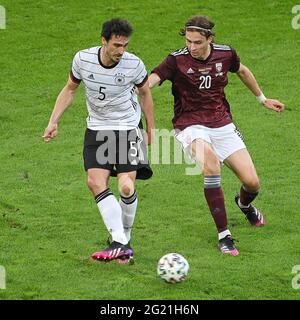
274	105
50	132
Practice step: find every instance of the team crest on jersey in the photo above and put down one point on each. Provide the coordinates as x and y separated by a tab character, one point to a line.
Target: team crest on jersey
219	67
119	79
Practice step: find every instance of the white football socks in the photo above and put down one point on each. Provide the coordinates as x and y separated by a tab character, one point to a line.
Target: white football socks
129	206
223	234
111	213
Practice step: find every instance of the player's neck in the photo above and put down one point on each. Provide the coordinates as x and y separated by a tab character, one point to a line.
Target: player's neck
205	54
105	59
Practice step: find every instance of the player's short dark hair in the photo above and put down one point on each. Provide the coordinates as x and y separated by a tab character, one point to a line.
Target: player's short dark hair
118	27
202	22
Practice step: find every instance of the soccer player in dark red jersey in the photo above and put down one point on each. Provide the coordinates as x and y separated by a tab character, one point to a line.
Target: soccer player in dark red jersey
203	122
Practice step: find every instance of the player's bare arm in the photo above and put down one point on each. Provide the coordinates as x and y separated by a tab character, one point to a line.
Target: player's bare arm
249	80
147	107
154	80
63	101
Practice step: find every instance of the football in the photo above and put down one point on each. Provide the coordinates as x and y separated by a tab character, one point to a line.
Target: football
173	268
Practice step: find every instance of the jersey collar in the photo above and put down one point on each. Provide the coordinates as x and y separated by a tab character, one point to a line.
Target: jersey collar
208	58
101	64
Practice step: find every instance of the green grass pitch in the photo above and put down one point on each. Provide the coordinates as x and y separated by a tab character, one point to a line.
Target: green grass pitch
49	224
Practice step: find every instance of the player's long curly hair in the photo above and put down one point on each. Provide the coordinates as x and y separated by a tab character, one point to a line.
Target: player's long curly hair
201	22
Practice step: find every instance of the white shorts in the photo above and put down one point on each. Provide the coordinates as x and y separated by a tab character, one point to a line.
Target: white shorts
224	140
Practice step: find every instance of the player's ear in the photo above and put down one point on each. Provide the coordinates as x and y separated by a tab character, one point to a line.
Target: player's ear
104	41
210	39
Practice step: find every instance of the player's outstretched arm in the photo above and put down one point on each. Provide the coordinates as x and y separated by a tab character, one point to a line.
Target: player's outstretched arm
63	101
154	80
148	110
249	80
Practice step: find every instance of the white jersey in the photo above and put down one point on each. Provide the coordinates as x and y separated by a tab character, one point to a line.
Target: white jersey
110	96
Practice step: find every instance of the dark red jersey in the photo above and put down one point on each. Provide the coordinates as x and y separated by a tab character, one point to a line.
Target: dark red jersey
198	86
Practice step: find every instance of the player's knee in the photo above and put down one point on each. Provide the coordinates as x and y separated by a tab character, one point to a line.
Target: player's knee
212	166
91	183
126	191
96	185
211	163
252	184
126	186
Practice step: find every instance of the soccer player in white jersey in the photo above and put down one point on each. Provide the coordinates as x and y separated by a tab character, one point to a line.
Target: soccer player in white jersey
113	141
203	120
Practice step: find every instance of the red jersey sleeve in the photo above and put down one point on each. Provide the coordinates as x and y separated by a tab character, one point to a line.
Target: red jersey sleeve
235	62
167	69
